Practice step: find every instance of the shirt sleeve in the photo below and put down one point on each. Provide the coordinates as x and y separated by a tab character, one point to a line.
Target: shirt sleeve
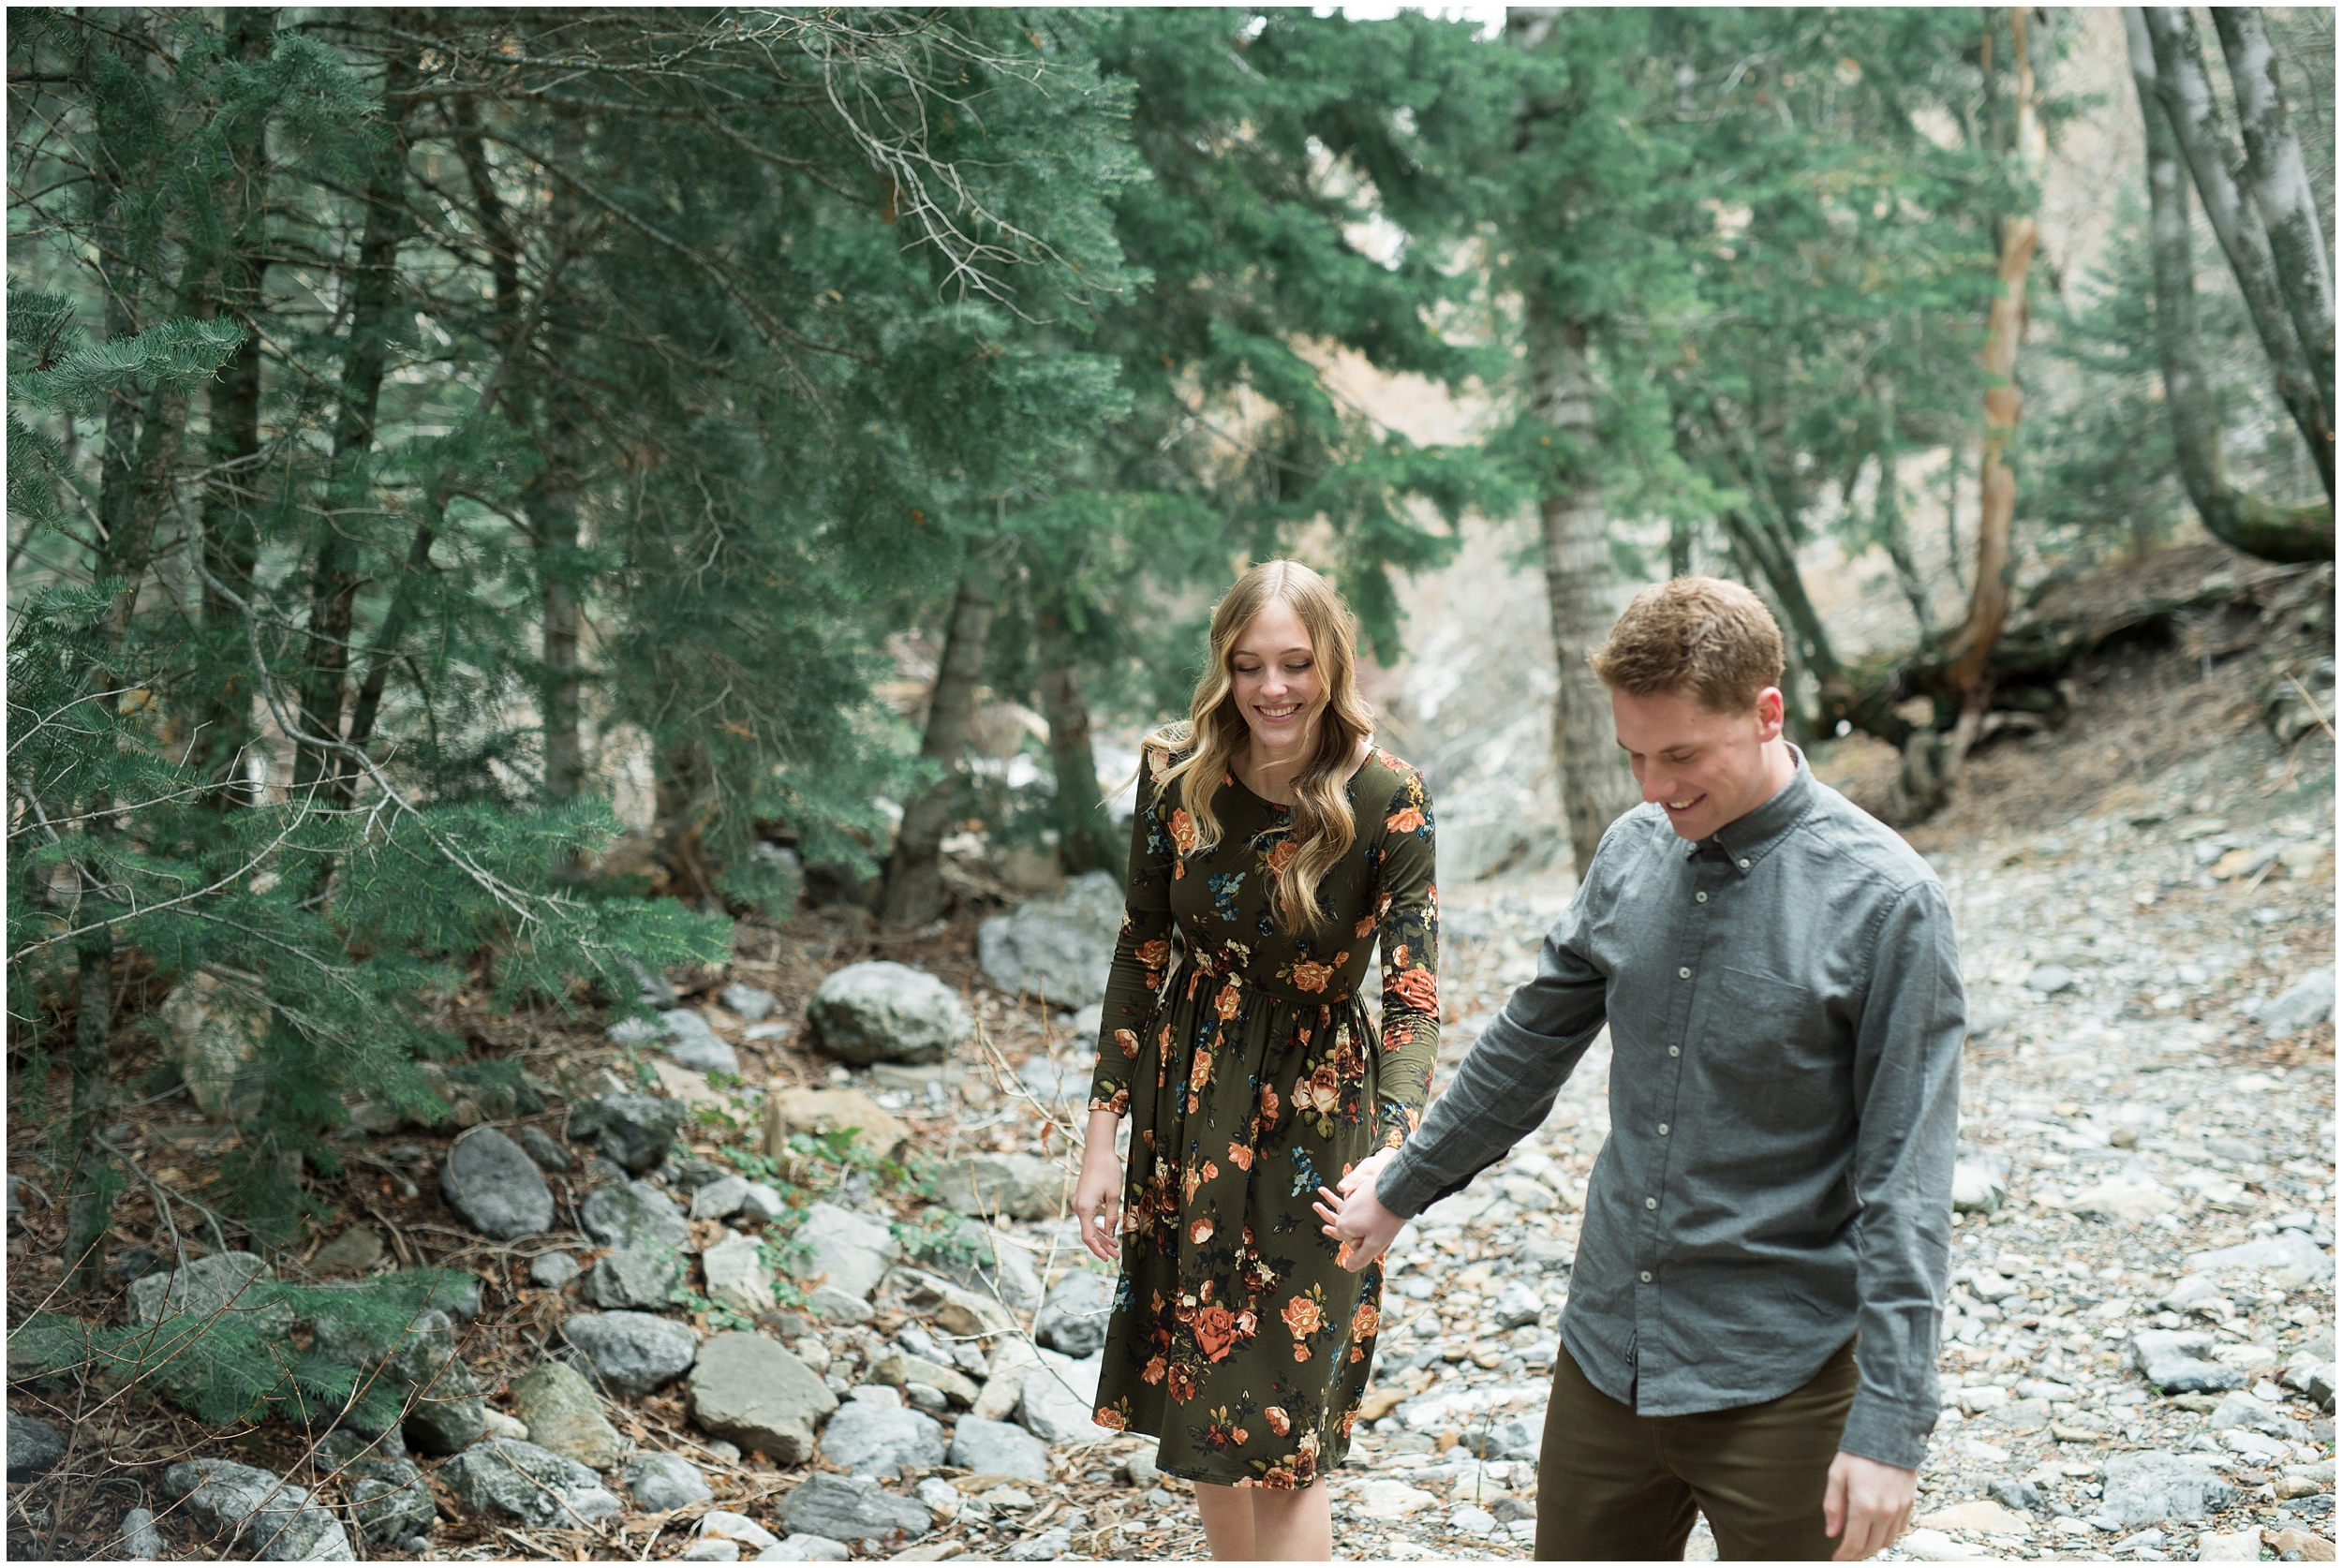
1405	921
1142	954
1907	1095
1506	1085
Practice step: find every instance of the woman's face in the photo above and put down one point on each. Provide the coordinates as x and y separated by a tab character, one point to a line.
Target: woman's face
1277	684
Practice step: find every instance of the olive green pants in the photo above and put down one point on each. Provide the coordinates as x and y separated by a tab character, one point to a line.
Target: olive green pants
1618	1487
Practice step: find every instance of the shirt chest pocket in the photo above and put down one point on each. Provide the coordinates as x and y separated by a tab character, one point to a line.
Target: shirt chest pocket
1769	1038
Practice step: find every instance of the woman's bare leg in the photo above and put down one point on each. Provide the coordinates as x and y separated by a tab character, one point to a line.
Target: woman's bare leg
1227	1512
1252	1524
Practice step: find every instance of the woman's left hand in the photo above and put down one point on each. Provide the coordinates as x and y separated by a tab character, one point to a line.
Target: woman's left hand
1356	1217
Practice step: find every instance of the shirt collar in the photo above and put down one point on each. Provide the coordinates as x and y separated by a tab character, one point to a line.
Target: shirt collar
1748	839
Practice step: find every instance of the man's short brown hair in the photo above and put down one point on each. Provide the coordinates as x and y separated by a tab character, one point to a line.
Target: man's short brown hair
1703	635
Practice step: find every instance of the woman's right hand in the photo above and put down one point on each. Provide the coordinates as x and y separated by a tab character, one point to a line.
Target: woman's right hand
1098	1193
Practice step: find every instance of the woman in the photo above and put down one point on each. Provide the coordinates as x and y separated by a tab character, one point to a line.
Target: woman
1282	846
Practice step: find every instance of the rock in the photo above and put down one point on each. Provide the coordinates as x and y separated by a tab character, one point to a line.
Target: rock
690	1041
2312	1547
941	1496
635	1214
1058	1399
354	1251
1140	1469
634	1129
685	1085
223	1282
866	1439
2287	1250
960	1312
2128	1200
492	1184
533	1485
834	1306
747	1388
720	1199
1011	1362
986	1447
2307	1002
1021	1185
540	1146
1977	1187
418	1366
1072	1319
633	1277
633	1353
552	1270
710	1550
850	1508
2152	1485
897	1369
737	1275
1979	1516
1518	1437
1517	1306
750	1002
390	1500
563	1415
1058	947
1934	1545
2022	1497
2172	1360
2049	979
662	1482
2239	1408
824	1111
881	1011
2311	1372
2193	1291
1471	1520
848	1252
724	1525
35	1448
801	1548
213	1031
140	1541
262	1514
1387	1499
1047	1546
761	1202
502	1424
2243	1545
991	1265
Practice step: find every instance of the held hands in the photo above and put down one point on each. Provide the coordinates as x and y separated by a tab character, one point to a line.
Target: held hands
1098	1193
1866	1505
1354	1216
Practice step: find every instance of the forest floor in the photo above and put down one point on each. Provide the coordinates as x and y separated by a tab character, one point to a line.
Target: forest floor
2131	888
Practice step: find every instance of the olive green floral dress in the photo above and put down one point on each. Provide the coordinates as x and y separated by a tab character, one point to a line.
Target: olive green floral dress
1250	1078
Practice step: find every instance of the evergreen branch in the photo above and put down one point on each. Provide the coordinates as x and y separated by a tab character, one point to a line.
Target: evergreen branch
136	913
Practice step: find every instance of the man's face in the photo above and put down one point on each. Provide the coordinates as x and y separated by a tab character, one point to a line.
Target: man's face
1705	768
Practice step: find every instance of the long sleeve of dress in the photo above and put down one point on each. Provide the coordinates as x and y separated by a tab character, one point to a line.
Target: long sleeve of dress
1141	953
1406	923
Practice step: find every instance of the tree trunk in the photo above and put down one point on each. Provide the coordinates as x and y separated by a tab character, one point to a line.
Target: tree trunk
335	579
915	882
2186	90
93	1061
2246	522
2282	193
1595	787
1082	840
1887	523
1988	606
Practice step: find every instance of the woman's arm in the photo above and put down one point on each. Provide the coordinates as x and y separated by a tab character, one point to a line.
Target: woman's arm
1141	953
1406	916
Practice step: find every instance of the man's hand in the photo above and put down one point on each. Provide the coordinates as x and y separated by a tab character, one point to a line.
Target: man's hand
1356	1217
1866	1505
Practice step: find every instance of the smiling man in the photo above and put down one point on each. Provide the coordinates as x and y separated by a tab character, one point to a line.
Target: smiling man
1752	1317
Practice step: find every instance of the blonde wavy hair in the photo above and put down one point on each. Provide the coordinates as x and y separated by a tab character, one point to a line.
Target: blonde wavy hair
1214	731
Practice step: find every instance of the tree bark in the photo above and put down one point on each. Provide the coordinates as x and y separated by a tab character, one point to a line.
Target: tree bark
915	882
1988	605
2287	202
556	504
1082	839
2186	90
2246	522
86	1205
1887	523
1595	787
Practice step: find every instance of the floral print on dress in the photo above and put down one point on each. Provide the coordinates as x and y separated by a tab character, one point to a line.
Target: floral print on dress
1255	1076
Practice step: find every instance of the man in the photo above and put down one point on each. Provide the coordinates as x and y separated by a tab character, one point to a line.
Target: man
1750	1327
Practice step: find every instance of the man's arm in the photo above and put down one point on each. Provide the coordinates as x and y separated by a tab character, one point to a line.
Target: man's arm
1906	1089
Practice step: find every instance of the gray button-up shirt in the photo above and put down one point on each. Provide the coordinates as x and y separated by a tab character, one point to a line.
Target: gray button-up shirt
1786	1019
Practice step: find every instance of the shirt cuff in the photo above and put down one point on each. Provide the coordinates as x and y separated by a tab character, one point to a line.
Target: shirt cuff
1405	1187
1888	1433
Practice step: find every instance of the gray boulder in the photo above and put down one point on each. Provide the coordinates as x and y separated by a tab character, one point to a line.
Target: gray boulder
140	1541
848	1252
491	1181
1059	947
2307	1002
866	1439
751	1003
223	1282
633	1277
633	1353
1021	1185
801	1548
2287	1250
2152	1485
35	1448
661	1482
999	1448
263	1516
553	1271
882	1010
504	1476
390	1500
690	1041
635	1214
850	1508
559	1408
720	1199
987	1264
634	1129
1072	1319
1059	1397
549	1155
746	1388
418	1366
2311	1371
2172	1360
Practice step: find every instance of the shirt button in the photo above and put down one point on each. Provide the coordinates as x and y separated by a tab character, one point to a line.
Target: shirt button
1675	1050
1699	898
1743	866
1651	1203
1645	1276
1663	1129
1683	974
